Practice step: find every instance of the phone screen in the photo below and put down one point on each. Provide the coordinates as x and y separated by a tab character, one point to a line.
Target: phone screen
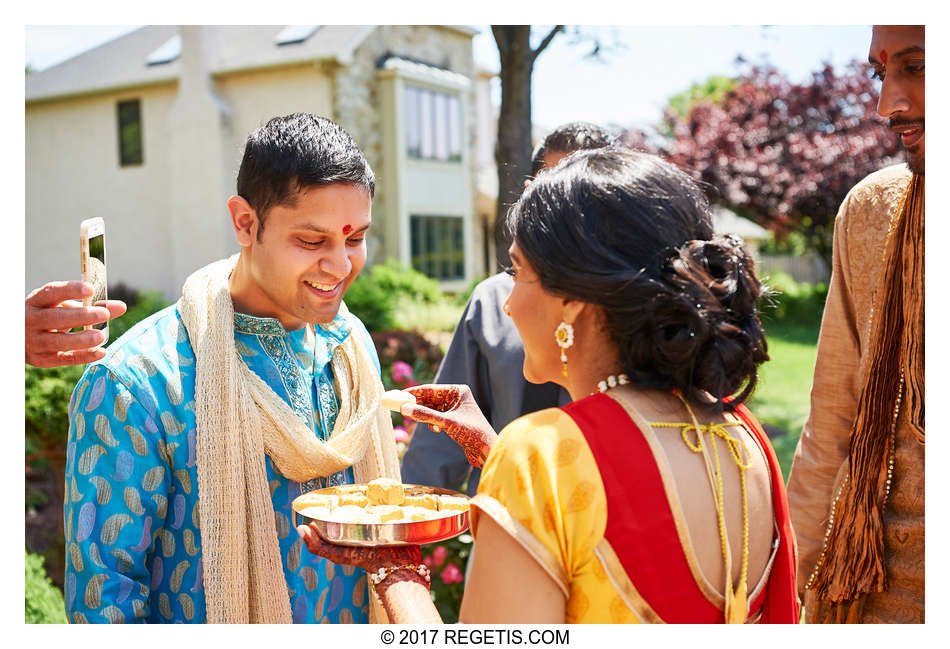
96	271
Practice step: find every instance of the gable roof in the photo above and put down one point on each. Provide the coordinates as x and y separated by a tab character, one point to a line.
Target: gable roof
122	62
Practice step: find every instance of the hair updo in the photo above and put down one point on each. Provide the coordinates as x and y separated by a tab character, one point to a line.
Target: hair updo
632	234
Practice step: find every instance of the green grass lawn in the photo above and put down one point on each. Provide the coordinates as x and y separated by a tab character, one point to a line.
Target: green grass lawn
781	400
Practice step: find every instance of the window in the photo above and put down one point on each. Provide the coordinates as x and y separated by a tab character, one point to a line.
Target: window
437	247
433	125
130	132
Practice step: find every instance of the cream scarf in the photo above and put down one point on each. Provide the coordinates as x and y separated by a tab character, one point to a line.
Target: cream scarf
239	419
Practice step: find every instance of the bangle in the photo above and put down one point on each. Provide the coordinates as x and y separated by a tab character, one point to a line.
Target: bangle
420	569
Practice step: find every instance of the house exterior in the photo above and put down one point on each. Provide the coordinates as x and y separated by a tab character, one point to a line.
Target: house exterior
147	131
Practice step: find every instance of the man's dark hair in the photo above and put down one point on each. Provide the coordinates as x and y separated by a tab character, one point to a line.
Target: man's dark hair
294	152
569	138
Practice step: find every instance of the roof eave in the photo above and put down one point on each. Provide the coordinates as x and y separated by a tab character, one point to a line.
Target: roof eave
89	92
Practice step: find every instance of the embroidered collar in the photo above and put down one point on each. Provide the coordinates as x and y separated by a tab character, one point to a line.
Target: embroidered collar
338	328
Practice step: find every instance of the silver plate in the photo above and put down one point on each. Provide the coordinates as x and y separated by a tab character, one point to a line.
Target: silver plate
374	534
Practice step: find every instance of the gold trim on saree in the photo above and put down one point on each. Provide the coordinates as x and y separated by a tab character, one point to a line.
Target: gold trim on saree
523	536
621	582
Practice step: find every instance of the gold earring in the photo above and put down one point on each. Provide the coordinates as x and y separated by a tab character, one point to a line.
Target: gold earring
564	335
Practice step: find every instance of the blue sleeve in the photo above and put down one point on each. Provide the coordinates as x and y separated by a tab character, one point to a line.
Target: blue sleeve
116	494
434	459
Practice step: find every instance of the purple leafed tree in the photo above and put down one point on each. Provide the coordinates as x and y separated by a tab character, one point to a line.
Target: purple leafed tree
784	154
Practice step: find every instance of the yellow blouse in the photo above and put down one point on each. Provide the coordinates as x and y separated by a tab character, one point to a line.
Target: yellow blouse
542	486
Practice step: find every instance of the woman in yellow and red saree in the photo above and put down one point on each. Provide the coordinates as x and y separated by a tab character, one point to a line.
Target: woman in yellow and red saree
654	496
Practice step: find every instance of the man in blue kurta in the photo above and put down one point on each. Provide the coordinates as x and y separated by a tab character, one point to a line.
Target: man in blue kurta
163	522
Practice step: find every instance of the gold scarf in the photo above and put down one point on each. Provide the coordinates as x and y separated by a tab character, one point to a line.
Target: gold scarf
853	563
239	419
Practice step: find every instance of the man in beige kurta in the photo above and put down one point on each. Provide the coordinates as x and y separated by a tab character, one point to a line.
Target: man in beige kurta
821	460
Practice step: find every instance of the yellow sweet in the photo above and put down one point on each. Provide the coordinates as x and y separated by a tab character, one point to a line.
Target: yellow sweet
384	491
412	513
354	499
316	500
386	513
452	503
426	501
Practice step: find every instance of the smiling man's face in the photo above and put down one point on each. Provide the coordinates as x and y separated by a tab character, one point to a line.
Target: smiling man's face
897	56
308	254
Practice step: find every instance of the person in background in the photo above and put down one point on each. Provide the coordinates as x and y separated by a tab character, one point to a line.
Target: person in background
55	308
856	488
654	496
486	352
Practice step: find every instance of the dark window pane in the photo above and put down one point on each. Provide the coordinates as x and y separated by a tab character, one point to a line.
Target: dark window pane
437	246
130	132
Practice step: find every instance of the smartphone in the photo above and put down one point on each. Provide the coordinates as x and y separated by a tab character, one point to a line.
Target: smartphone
92	250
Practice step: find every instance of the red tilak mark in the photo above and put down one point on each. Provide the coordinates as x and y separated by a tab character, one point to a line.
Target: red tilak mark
347	229
883	56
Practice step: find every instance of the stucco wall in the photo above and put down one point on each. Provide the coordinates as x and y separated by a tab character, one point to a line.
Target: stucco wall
73	173
256	96
358	104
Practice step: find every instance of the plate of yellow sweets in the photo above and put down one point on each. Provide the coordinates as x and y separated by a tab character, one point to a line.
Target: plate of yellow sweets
383	512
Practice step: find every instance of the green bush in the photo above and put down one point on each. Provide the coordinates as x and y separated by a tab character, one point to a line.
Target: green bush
376	294
793	302
145	304
44	602
406	282
47	399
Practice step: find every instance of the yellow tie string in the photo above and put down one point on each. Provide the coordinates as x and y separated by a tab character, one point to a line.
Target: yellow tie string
736	601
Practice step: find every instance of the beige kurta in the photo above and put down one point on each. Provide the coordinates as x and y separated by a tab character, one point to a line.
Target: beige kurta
821	458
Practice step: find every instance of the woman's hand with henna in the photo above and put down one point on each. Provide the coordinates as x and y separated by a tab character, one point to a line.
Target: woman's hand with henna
453	409
369	559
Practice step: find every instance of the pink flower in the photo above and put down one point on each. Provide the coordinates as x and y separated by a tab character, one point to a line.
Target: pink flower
402	372
452	574
401	434
427	560
439	555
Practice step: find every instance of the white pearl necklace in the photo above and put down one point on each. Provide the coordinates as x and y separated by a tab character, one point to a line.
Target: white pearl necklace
612	382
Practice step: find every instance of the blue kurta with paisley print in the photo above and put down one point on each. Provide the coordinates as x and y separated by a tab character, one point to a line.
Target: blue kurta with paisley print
133	535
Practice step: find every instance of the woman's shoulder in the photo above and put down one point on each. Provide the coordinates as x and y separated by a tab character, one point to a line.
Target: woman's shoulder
539	429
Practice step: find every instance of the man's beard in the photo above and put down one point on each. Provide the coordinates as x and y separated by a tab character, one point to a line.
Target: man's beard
915	159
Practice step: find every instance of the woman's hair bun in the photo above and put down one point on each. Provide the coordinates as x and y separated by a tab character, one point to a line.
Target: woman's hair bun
716	280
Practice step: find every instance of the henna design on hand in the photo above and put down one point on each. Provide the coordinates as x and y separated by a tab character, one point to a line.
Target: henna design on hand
453	409
368	558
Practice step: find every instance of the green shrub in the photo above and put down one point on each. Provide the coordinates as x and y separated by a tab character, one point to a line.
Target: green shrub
47	399
371	303
376	294
44	602
793	302
146	303
406	282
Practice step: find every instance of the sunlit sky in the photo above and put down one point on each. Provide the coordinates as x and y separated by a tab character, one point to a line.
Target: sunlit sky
630	86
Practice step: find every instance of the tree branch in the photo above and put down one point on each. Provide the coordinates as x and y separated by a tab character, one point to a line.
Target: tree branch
547	41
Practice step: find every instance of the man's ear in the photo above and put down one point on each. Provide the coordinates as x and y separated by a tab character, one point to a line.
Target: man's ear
244	220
